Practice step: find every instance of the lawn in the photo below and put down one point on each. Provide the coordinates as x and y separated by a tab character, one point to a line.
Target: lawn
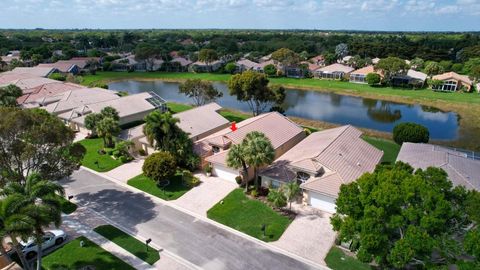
390	148
72	256
232	115
105	162
129	243
178	107
315	84
172	192
248	216
337	260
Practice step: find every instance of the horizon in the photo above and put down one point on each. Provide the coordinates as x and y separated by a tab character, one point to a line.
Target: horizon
341	15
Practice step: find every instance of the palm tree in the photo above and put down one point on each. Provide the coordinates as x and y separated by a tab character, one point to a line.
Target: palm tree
291	190
277	198
258	152
235	159
15	225
160	128
107	128
38	200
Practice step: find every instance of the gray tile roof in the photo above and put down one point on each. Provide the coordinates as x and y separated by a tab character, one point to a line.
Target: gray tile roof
461	169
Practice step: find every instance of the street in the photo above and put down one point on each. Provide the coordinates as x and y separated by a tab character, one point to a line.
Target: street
200	243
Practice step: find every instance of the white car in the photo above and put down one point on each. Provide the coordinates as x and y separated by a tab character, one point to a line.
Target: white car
50	239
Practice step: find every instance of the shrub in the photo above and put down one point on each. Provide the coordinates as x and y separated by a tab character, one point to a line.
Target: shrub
124	159
410	132
373	79
254	193
142	152
159	166
270	70
208	169
277	198
238	179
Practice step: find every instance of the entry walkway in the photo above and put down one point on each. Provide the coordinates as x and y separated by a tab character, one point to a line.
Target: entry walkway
126	171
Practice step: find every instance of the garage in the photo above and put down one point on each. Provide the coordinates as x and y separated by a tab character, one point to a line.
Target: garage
321	202
224	172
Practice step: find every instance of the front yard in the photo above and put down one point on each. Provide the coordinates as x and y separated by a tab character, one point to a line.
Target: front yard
129	243
96	161
337	260
171	192
73	256
247	215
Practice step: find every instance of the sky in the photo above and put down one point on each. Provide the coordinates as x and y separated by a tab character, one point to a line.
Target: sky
379	15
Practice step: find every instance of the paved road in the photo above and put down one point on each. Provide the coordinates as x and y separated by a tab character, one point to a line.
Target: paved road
196	241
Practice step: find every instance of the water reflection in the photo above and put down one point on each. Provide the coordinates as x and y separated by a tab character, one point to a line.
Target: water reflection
329	107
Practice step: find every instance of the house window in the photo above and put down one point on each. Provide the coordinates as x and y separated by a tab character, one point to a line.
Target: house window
447	86
302	177
215	149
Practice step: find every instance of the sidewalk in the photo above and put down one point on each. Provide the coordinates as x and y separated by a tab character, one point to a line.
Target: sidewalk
82	222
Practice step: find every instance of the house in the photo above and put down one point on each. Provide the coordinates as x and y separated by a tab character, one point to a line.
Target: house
130	63
318	60
265	58
360	75
311	66
282	132
463	168
34	71
198	122
452	82
334	71
294	72
25	82
413	78
375	60
200	66
63	66
345	59
37	95
321	163
179	64
245	64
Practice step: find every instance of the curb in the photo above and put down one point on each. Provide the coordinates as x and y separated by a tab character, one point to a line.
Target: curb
212	222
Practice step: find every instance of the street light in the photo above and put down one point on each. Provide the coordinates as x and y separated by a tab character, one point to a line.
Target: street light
148	242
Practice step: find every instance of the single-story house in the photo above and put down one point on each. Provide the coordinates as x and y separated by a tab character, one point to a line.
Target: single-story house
412	78
463	168
130	63
452	82
9	58
26	82
198	122
200	66
321	163
311	66
34	71
63	66
318	60
333	71
36	96
360	75
282	132
265	58
245	64
179	64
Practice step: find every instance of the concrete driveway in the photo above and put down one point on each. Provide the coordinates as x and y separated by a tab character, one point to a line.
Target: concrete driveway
310	236
207	194
126	171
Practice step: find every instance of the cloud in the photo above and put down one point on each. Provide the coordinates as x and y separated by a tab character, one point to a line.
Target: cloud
450	9
378	5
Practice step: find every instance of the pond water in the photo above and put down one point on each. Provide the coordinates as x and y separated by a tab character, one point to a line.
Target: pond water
328	107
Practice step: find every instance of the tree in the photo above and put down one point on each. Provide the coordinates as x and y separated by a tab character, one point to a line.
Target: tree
207	56
291	190
270	70
93	65
202	92
258	152
277	198
286	58
91	121
148	53
252	87
410	132
401	218
475	73
236	160
433	68
470	65
341	50
39	200
391	66
373	79
230	68
110	112
35	141
107	128
417	63
9	95
330	58
159	166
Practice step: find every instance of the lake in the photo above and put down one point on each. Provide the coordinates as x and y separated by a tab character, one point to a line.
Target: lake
328	107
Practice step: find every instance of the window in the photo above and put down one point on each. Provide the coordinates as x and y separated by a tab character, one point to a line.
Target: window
215	149
302	177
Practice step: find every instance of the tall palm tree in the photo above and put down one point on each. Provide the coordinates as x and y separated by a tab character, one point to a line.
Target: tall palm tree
235	159
258	152
15	225
160	128
38	199
107	128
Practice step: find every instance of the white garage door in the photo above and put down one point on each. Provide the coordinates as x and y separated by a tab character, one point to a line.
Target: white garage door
322	202
225	172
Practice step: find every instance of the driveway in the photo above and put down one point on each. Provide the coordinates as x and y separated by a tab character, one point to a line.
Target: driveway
310	236
206	195
199	242
126	171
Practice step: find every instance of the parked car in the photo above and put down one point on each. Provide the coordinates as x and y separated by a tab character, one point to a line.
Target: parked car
50	239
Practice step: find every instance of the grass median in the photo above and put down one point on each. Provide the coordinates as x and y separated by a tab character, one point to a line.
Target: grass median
129	243
173	191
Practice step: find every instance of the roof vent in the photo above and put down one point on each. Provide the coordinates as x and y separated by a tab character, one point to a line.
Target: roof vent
358	164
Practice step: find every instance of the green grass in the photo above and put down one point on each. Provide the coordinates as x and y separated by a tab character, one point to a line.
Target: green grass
129	243
67	206
72	256
337	260
105	162
390	148
231	115
247	215
330	85
172	192
178	107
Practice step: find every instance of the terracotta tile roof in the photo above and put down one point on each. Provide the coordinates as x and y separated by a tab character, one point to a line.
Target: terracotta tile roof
249	64
453	75
336	68
62	66
182	61
364	71
37	94
34	71
417	75
26	84
461	169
